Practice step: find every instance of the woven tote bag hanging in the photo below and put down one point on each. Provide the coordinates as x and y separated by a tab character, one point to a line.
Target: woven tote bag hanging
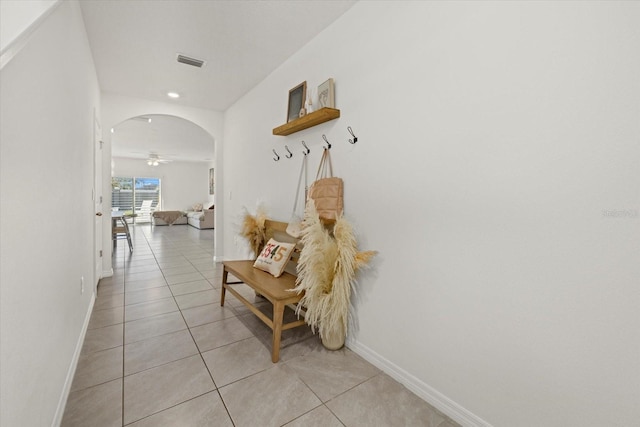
327	191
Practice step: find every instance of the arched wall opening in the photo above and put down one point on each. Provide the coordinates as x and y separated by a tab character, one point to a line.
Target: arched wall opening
171	160
117	110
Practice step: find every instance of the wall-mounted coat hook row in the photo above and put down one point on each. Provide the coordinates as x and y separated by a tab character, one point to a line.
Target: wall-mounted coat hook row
355	138
290	155
307	151
328	147
276	158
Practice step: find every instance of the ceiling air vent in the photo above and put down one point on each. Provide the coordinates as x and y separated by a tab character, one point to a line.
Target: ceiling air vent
190	61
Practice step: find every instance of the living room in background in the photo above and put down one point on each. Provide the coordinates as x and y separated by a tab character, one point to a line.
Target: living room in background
136	195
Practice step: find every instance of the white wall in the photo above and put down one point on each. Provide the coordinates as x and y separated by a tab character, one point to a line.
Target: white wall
183	183
495	141
49	91
18	16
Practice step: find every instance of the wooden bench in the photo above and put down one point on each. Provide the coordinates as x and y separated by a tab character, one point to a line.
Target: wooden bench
276	290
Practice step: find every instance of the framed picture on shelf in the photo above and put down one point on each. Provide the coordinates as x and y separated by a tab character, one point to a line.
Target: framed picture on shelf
326	96
297	96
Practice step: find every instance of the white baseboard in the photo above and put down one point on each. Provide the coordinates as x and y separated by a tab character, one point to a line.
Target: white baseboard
107	273
432	396
62	403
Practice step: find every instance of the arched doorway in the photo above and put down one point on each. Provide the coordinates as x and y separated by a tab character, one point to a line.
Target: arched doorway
169	138
145	150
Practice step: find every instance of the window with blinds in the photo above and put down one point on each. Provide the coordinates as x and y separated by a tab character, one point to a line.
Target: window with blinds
135	195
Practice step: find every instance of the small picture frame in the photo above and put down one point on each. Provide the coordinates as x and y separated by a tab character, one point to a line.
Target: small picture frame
297	96
211	177
326	96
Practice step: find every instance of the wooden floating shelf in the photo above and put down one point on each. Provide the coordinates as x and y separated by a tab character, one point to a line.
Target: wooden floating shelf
312	119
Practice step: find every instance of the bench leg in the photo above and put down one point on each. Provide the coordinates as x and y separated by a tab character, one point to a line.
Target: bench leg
278	314
225	273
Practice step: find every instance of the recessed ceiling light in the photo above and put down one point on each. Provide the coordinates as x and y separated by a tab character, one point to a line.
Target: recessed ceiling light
173	95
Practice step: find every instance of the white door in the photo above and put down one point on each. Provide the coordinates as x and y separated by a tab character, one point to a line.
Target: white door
97	200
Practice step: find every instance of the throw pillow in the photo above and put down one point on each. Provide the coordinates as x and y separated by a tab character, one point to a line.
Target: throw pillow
274	257
197	207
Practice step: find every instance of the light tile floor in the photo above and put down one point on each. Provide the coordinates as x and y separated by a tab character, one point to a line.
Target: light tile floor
160	351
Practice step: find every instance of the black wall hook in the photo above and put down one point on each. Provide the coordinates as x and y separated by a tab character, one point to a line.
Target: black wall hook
307	151
328	147
277	157
355	138
290	155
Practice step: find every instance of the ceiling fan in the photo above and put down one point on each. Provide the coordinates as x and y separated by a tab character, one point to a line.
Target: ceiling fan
155	160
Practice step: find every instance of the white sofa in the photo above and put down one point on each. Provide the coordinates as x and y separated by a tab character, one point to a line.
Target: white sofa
202	220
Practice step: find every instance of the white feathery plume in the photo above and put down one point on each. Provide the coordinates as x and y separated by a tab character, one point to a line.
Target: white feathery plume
326	272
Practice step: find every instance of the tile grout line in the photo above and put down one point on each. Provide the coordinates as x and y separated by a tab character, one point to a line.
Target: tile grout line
184	320
172	406
217	390
122	378
126	262
322	403
122	262
123	327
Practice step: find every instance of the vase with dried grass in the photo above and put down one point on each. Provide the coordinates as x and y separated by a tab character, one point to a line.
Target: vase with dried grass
326	272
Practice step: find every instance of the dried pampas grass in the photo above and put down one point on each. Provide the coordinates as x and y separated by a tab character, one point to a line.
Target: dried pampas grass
326	272
315	268
253	229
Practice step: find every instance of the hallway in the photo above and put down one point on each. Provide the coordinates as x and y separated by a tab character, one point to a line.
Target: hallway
160	351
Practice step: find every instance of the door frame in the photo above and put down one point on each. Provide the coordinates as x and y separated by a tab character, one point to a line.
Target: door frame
97	202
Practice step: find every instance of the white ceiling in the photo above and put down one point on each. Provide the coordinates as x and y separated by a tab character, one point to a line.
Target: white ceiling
171	138
135	45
